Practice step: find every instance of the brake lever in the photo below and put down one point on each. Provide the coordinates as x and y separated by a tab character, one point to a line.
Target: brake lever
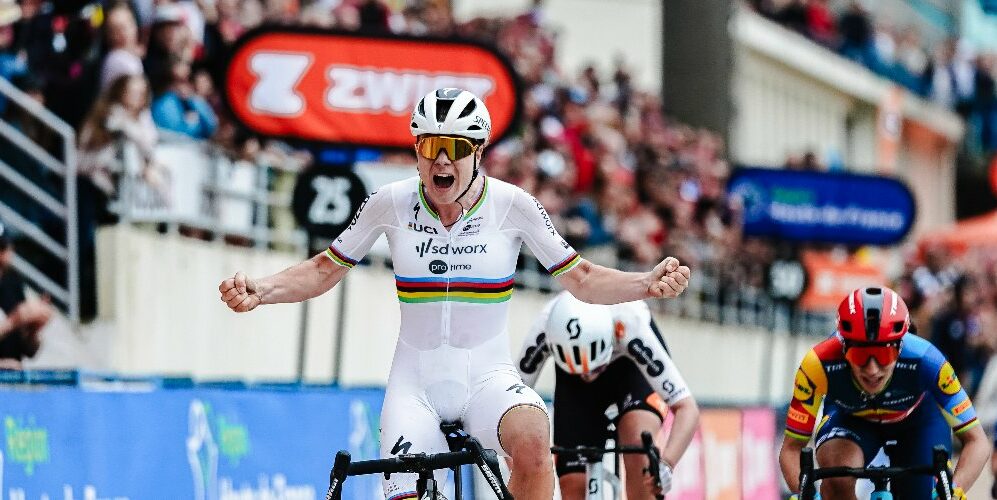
653	460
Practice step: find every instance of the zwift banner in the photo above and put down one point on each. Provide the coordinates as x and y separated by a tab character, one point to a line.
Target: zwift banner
347	88
201	444
823	207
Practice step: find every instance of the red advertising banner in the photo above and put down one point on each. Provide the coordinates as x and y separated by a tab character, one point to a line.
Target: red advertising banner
346	88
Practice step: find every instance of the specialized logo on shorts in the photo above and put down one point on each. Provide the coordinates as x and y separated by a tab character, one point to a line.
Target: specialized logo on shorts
961	407
401	446
947	381
803	388
798	416
516	387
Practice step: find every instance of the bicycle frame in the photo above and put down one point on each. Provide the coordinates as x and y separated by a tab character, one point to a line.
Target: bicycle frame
595	472
880	476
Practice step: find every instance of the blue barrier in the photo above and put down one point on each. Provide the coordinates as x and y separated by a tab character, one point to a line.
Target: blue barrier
136	439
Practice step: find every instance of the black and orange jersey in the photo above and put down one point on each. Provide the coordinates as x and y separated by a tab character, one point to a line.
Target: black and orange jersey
921	376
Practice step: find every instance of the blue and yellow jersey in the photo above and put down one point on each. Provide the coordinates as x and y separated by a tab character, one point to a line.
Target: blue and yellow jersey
921	376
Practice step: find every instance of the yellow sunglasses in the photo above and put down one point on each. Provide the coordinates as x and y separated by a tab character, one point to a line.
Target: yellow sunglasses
455	147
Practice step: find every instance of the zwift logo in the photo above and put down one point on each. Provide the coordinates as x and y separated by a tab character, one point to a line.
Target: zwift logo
27	444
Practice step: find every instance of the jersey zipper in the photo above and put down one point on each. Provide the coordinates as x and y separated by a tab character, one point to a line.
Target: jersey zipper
446	304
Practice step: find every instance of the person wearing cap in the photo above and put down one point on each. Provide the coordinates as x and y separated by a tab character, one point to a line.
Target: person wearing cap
455	235
24	317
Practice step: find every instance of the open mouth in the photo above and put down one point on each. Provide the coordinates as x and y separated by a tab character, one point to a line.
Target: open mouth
443	181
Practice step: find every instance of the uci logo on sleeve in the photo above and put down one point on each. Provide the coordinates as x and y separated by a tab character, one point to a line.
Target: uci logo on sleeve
947	381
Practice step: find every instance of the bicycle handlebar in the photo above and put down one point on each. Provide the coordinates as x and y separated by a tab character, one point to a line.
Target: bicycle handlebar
938	468
647	448
419	463
411	463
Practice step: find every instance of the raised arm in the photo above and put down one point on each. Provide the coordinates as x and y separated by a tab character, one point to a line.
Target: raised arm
319	274
303	281
597	284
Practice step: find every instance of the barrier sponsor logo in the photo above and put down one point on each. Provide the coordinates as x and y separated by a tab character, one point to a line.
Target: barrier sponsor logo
26	443
348	88
826	207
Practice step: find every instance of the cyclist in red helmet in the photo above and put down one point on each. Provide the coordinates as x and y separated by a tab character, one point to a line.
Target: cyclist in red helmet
877	385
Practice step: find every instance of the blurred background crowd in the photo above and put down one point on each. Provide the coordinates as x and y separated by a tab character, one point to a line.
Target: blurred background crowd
623	182
950	72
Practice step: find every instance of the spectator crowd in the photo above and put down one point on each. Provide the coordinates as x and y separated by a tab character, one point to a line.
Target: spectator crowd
621	180
951	73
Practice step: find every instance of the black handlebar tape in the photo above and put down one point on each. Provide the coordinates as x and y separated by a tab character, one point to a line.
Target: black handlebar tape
338	475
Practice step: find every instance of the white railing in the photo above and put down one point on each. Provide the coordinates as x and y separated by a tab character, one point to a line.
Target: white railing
64	208
201	188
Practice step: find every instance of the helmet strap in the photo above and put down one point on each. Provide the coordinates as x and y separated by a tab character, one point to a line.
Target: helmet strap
463	210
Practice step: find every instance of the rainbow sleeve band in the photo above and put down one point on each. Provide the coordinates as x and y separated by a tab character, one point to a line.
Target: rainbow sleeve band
339	257
565	265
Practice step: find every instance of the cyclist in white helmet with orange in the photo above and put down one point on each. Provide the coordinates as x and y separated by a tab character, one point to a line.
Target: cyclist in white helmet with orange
455	235
604	356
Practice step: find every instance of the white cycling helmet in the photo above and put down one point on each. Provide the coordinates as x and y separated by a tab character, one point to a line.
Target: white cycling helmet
451	111
580	335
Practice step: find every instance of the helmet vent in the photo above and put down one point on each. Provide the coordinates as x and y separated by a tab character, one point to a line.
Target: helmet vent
471	106
560	354
846	326
442	108
872	324
898	326
422	107
473	127
593	349
602	345
578	354
414	125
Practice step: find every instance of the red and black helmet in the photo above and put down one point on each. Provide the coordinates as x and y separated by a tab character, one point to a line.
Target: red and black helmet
873	314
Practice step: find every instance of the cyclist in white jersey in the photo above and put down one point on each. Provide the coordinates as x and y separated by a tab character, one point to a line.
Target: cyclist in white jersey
455	236
604	356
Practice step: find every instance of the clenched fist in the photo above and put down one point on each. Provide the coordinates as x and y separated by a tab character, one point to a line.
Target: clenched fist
669	279
240	293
